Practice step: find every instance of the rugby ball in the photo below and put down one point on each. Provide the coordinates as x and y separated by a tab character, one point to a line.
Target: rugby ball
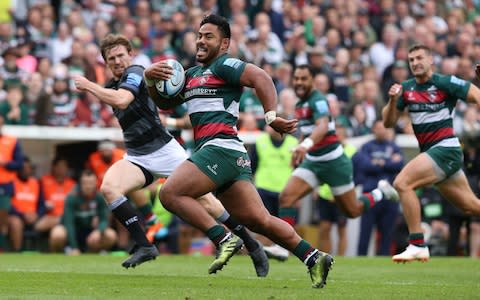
172	87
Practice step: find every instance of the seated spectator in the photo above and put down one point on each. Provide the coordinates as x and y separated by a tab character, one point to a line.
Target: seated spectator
55	186
10	71
15	110
27	205
84	221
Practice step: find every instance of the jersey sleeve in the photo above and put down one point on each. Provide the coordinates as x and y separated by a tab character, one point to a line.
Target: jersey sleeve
230	69
456	87
132	80
401	101
319	107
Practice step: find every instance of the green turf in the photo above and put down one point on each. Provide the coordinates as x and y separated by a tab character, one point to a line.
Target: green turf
41	276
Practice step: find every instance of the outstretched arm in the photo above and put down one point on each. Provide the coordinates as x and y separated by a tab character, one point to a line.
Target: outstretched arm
120	98
258	79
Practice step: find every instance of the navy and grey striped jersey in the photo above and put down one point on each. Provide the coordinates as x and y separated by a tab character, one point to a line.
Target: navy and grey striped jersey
143	133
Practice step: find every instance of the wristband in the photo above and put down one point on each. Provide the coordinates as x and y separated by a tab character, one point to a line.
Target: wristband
307	143
171	122
149	82
270	116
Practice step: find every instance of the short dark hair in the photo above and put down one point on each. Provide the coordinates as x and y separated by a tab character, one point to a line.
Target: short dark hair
306	67
420	47
113	40
221	23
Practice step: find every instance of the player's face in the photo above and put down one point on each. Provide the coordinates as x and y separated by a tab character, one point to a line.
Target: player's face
420	63
302	82
209	43
118	59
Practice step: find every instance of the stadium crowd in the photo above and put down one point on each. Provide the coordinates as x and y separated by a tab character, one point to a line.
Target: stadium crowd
357	49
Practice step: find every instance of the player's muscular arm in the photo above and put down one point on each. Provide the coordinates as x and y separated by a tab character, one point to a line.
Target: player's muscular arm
473	95
390	113
120	98
258	79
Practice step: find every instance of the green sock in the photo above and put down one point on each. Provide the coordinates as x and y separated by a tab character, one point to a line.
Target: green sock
216	234
146	211
306	253
288	214
417	239
368	201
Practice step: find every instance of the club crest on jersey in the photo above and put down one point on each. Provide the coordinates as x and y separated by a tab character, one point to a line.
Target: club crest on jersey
241	162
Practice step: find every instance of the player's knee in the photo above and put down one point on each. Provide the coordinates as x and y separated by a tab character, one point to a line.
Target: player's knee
167	195
400	185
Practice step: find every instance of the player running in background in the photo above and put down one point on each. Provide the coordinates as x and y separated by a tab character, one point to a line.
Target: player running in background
429	98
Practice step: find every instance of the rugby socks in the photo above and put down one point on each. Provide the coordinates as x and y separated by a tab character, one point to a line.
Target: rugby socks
288	214
125	213
416	239
306	253
239	230
217	234
370	199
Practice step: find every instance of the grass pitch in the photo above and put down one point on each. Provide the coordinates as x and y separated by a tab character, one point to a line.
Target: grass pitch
42	276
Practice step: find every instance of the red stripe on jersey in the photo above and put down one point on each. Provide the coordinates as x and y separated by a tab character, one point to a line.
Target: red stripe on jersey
303	113
205	80
328	140
432	97
211	129
439	134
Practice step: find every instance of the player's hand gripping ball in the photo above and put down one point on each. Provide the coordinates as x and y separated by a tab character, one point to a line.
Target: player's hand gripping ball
172	87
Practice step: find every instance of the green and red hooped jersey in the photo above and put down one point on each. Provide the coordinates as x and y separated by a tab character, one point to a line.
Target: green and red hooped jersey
308	111
212	94
431	106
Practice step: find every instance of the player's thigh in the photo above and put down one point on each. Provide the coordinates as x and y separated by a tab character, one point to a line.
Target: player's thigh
420	171
296	188
123	176
457	190
242	200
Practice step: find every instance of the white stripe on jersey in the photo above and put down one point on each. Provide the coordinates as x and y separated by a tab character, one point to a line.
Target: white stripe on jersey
196	105
227	143
451	142
419	118
308	129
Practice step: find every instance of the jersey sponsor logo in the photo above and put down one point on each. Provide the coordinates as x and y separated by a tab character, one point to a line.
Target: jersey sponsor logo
242	162
457	81
322	107
131	220
211	81
233	62
133	79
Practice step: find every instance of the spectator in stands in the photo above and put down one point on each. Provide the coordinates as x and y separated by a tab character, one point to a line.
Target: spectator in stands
15	109
106	155
28	204
84	224
91	112
10	71
62	101
358	120
11	160
380	158
161	48
60	46
55	187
